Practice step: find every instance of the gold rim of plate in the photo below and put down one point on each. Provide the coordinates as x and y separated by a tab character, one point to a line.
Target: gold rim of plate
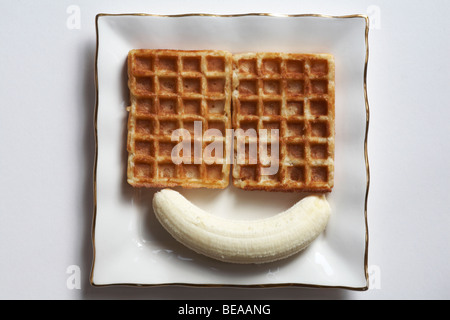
272	285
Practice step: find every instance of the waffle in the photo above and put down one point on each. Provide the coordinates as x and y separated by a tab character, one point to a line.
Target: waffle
170	90
295	94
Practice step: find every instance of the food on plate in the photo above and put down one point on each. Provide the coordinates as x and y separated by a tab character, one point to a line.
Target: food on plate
240	241
193	114
294	94
182	94
185	103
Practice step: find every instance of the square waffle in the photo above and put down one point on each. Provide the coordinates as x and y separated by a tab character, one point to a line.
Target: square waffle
170	90
295	94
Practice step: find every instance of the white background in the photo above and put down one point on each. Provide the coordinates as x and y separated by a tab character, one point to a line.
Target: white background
47	99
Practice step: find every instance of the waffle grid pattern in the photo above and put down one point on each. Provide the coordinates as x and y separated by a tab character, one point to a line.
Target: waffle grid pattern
170	90
293	93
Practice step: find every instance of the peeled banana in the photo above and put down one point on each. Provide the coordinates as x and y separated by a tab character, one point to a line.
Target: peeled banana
239	241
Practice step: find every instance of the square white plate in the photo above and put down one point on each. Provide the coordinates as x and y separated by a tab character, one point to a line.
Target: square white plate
132	248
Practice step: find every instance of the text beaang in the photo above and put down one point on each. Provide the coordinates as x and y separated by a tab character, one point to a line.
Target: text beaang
246	309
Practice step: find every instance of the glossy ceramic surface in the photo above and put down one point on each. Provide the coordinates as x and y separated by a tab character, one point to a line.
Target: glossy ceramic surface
130	245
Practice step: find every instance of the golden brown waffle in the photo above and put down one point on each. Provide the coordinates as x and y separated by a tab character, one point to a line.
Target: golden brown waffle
295	94
169	90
